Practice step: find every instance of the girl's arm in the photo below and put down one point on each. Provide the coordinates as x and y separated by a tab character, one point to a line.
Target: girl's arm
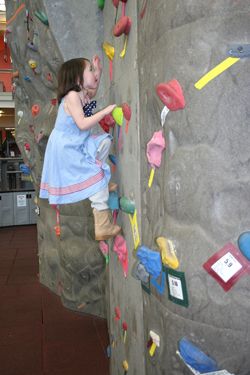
74	107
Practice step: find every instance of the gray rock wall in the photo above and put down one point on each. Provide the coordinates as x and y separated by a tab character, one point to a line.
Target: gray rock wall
71	265
200	193
199	196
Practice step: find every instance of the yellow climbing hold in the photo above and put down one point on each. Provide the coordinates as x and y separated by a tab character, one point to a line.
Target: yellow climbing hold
224	65
109	50
117	114
125	365
168	254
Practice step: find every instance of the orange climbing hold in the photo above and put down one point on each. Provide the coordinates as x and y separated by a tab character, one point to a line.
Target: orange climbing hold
35	110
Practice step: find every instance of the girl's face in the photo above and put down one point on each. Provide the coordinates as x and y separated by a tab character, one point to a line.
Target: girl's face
90	80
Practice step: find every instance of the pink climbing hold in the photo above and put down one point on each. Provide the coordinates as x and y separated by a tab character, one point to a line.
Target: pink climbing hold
103	246
171	95
155	148
120	248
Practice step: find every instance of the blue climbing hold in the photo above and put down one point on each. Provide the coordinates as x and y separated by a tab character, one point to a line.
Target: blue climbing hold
195	358
244	244
151	260
113	201
112	158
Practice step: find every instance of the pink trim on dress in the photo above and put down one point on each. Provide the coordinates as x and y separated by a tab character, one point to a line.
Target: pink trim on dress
73	188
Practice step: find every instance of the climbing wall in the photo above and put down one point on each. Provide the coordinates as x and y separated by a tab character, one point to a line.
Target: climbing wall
178	275
184	164
198	199
70	263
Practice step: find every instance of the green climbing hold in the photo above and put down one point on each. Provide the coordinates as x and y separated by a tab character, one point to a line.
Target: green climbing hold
127	205
117	114
101	4
42	17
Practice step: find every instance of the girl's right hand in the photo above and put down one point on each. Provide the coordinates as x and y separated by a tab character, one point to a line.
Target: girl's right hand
109	109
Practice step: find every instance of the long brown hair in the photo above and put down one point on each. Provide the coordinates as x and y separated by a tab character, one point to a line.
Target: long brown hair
70	77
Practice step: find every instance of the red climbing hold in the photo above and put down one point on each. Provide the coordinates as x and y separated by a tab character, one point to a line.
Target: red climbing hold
35	110
126	111
115	3
123	26
171	95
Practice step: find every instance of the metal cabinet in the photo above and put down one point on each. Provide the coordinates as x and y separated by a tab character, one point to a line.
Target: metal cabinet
6	209
17	208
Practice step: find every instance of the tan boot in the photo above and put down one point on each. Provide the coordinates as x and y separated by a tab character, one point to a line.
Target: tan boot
104	228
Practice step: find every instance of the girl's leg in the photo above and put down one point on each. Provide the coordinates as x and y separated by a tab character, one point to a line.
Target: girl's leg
103	150
99	201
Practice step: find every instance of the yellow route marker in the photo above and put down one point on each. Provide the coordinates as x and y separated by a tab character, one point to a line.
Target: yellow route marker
224	65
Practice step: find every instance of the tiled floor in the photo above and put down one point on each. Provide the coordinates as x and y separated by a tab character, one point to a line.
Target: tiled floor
38	336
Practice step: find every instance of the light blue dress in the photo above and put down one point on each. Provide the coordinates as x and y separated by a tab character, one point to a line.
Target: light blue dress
71	172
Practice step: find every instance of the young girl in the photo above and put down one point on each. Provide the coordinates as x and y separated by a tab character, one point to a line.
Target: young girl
75	165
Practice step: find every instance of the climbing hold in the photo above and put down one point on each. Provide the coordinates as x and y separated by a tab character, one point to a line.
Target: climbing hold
27	78
150	259
27	146
127	115
20	115
115	3
124	328
244	244
107	122
127	205
53	103
118	115
113	201
24	169
57	230
196	358
120	248
110	53
101	4
135	230
239	50
125	366
171	95
42	17
123	26
117	313
155	148
139	272
168	254
35	110
112	158
33	65
32	46
155	342
103	246
217	70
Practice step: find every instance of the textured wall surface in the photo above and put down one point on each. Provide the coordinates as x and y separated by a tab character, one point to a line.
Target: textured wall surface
200	194
71	265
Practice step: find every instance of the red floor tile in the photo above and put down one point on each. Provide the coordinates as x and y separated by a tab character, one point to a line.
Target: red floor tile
21	359
38	335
